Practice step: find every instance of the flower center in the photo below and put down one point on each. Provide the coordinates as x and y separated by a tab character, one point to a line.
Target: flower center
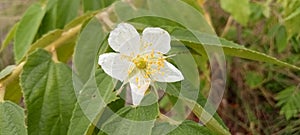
140	62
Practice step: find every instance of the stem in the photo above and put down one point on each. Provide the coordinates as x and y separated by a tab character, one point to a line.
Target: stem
227	26
2	93
65	36
166	118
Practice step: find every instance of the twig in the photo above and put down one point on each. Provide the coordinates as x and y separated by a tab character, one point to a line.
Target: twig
227	26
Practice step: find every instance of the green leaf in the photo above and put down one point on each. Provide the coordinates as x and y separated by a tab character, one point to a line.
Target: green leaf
288	100
93	5
66	11
86	50
79	122
49	94
240	10
281	39
9	37
92	100
27	30
12	120
59	13
229	47
186	127
132	120
7	71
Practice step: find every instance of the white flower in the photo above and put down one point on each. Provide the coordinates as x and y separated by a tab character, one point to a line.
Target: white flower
140	59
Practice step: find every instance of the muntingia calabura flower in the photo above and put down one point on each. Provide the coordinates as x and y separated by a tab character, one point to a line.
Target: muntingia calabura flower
140	60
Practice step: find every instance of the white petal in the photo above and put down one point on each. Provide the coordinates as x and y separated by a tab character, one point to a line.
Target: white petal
131	47
168	73
115	65
156	39
139	86
124	34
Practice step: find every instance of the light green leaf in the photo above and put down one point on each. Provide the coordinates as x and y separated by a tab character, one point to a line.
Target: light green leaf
240	10
281	39
27	30
186	127
132	120
92	100
86	50
49	94
288	100
7	71
9	37
12	120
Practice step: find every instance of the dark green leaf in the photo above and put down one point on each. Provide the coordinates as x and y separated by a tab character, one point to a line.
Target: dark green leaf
12	120
49	94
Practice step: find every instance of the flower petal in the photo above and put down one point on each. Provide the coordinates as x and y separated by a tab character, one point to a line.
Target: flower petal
124	34
156	39
115	65
138	84
167	73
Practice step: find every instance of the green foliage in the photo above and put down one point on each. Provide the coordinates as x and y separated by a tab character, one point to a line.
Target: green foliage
291	14
12	120
253	79
288	99
61	100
